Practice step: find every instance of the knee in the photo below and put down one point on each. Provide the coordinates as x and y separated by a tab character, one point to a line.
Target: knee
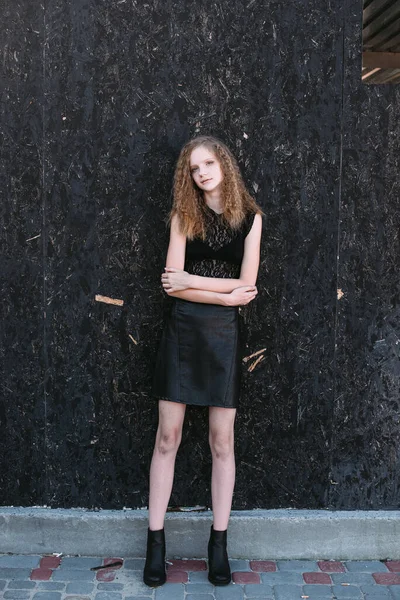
167	442
221	446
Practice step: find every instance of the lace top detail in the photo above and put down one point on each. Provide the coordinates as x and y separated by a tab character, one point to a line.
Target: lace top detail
221	253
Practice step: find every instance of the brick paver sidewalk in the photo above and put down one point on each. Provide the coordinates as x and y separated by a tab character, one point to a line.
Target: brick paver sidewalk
27	577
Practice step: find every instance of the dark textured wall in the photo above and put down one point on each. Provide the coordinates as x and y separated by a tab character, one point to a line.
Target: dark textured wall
97	98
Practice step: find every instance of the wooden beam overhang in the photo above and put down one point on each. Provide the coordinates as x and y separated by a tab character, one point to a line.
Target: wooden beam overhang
381	60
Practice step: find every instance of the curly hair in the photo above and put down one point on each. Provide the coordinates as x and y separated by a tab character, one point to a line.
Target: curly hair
189	203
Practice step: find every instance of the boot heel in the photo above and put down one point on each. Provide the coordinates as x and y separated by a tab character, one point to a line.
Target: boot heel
219	571
154	573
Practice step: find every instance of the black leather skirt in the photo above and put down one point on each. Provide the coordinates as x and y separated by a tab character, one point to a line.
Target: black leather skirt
199	356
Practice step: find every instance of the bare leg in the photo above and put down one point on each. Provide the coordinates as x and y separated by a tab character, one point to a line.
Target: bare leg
168	438
221	438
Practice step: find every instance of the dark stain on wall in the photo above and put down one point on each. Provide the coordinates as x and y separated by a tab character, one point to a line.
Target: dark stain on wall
97	98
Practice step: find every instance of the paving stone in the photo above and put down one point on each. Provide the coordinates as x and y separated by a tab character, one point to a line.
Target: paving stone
366	566
348	592
46	596
10	573
229	592
79	587
393	565
177	577
137	564
16	595
21	585
129	576
331	566
108	596
375	589
199	588
2	585
77	598
134	586
110	586
317	578
239	565
50	585
353	578
140	595
74	563
187	565
386	578
282	577
112	560
263	566
288	592
50	562
40	574
297	565
243	577
395	592
199	597
170	591
19	561
106	575
373	592
77	575
254	590
198	577
318	592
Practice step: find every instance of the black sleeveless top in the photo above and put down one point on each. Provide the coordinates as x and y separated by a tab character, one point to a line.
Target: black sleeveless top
221	253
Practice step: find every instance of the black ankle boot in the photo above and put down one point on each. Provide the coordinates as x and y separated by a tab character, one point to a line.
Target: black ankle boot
219	571
154	573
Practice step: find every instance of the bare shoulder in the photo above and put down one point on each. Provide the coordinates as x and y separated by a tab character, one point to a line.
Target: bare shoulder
258	219
174	220
175	230
177	246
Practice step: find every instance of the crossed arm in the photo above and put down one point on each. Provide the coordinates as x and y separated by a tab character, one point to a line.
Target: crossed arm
212	290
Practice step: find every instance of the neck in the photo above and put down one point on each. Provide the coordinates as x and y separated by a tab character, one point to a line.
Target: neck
213	200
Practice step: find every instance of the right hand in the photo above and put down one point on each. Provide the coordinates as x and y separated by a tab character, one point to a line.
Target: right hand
241	295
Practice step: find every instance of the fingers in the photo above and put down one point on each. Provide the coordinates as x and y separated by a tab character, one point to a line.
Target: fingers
167	285
252	293
251	297
167	275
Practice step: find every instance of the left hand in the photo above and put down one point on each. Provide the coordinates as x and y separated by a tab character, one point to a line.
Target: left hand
175	280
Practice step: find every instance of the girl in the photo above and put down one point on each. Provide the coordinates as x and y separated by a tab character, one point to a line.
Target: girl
211	270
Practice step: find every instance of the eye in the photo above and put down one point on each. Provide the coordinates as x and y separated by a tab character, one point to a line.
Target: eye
210	162
193	169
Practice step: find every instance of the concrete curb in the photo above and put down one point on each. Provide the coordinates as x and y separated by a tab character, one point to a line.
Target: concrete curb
257	534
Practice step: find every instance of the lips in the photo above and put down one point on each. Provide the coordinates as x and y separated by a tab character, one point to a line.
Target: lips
206	180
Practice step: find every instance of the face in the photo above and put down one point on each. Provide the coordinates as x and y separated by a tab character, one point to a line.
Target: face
205	169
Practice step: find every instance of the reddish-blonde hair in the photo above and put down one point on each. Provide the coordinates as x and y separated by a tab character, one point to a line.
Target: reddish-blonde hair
189	204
